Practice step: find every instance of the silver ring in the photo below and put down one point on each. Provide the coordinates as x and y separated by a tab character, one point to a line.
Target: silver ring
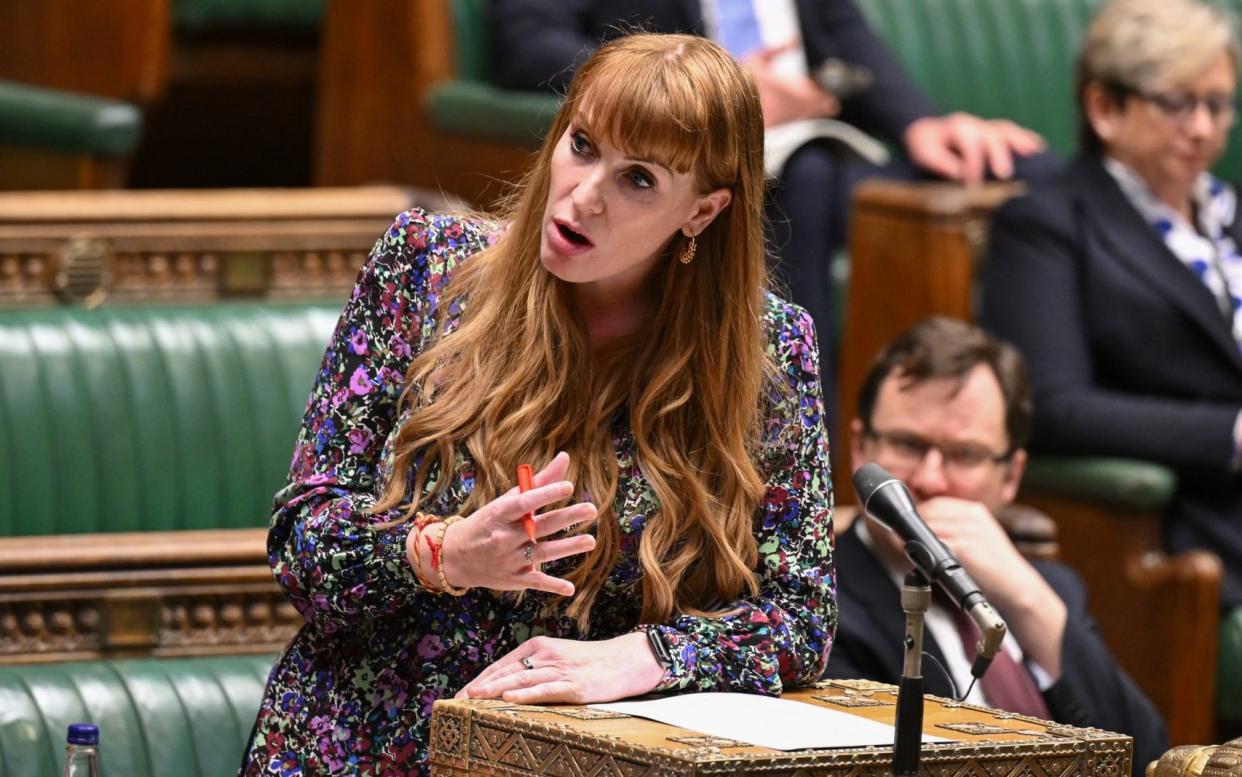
526	662
529	552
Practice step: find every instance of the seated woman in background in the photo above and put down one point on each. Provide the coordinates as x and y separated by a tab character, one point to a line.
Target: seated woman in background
1122	281
618	314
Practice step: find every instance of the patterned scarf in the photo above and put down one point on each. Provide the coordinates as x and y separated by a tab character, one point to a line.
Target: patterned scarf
1208	251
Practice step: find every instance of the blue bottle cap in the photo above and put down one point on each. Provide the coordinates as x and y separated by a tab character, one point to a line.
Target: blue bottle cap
83	734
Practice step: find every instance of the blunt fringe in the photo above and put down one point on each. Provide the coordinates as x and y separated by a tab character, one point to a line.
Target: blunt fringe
518	379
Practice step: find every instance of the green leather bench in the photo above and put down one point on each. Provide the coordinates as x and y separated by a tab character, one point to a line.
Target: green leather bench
187	717
999	59
470	105
152	418
140	448
1229	671
279	15
64	121
50	137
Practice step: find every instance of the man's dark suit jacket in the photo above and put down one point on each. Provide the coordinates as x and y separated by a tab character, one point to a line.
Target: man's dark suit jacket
1128	351
537	44
1092	689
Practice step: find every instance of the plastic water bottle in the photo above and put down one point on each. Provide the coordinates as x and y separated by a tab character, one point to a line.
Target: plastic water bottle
82	751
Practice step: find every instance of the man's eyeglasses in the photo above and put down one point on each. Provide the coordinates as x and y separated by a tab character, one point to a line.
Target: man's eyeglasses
1180	106
907	450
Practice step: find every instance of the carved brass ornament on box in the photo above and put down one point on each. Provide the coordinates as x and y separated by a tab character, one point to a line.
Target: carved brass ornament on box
478	737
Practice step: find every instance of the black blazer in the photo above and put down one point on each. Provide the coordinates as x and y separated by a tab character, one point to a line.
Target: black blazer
1128	351
537	44
1092	689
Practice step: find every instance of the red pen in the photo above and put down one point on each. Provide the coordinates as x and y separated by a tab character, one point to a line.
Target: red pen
526	478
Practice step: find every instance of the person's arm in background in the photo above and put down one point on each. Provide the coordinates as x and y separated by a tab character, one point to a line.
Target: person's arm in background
837	29
538	44
957	146
1033	298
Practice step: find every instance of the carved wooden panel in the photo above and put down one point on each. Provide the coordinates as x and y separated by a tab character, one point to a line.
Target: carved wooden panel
154	593
166	620
91	248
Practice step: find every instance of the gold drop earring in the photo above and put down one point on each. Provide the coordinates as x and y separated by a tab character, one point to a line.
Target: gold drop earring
686	254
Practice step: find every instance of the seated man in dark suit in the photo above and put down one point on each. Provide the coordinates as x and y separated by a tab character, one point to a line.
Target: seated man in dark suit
946	409
536	44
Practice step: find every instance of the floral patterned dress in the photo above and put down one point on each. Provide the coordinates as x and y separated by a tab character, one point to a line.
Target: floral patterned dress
353	691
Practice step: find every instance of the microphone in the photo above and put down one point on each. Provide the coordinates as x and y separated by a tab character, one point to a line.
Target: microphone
842	79
886	499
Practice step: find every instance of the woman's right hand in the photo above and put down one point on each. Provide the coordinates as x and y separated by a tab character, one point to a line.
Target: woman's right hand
487	549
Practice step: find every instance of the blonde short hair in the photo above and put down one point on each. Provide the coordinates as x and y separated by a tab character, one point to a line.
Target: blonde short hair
1148	46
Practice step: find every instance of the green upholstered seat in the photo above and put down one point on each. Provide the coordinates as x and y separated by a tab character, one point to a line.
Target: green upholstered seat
1139	485
184	717
997	58
1229	668
151	418
286	15
65	121
470	105
1013	59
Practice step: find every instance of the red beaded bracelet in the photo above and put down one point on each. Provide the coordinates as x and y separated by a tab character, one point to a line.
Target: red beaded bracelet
435	544
437	557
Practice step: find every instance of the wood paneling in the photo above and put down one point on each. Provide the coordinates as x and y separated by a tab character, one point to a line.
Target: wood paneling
114	48
913	249
36	168
191	245
378	60
153	593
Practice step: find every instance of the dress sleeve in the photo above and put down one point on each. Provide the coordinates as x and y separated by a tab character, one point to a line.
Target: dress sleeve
780	638
337	565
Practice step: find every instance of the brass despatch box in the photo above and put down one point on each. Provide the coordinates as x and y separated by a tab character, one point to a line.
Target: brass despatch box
496	738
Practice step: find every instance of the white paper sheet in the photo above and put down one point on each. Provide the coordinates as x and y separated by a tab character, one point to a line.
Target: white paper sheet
780	724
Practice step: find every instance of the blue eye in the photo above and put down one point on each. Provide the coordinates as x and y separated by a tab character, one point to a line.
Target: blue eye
579	144
640	179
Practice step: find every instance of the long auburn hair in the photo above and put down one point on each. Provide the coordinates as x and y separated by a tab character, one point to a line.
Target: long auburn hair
518	378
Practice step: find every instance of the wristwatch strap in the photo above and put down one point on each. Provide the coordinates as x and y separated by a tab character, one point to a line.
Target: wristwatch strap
659	647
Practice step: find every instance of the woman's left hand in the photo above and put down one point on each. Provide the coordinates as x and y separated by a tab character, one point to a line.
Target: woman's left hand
545	670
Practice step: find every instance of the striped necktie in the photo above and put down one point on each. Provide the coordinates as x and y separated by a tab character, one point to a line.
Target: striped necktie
1007	685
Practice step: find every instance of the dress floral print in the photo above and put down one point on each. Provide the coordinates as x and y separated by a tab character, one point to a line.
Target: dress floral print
353	691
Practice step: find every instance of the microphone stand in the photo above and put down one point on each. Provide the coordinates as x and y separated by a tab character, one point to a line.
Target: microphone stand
908	735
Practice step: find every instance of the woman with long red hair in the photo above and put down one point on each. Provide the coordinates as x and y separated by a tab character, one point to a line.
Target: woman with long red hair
615	329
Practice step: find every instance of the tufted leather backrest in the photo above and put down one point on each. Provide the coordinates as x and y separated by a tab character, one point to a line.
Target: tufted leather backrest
470	40
287	16
1013	58
152	418
184	717
997	58
1003	58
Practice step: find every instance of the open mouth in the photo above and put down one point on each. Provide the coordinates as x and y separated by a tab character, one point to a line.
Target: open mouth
576	238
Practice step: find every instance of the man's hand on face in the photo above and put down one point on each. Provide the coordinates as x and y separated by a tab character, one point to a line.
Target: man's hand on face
981	545
1035	614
